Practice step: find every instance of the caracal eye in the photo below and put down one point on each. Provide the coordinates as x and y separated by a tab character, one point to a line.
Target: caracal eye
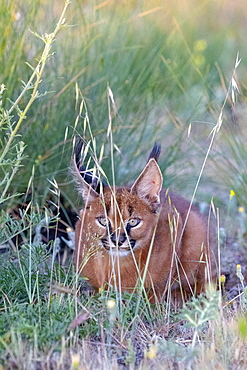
134	222
103	221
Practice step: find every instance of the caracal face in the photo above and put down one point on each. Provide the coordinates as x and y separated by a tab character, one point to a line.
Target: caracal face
120	221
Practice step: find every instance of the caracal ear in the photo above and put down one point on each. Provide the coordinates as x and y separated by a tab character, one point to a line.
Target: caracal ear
85	189
88	184
148	185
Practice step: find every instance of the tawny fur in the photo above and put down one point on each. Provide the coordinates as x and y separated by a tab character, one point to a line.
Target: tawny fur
170	247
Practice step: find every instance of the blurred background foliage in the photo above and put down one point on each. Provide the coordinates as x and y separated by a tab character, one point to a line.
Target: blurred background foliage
168	65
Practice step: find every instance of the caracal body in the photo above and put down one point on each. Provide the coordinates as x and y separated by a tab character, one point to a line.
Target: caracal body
143	233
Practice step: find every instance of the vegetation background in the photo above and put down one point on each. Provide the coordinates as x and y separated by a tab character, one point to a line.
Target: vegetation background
127	73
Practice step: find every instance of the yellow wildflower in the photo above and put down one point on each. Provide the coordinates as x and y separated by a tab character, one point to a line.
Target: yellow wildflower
151	352
222	279
111	303
75	360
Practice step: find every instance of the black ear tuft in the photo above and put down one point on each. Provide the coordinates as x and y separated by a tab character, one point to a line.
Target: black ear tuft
78	151
155	152
89	177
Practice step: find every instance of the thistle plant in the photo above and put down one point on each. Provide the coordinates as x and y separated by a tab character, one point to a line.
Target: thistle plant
201	310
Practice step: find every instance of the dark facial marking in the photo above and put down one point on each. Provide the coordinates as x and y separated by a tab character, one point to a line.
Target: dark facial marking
106	244
128	227
130	209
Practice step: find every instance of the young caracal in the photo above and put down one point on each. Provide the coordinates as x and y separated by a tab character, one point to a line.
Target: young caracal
141	233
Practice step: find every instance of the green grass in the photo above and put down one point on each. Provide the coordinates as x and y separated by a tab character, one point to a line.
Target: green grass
61	322
161	82
168	67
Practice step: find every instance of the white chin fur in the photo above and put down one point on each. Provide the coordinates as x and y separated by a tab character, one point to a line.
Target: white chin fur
120	251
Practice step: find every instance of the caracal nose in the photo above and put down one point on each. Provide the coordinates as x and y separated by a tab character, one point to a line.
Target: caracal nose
118	239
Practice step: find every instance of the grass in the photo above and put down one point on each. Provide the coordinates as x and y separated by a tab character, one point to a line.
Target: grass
137	72
159	101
